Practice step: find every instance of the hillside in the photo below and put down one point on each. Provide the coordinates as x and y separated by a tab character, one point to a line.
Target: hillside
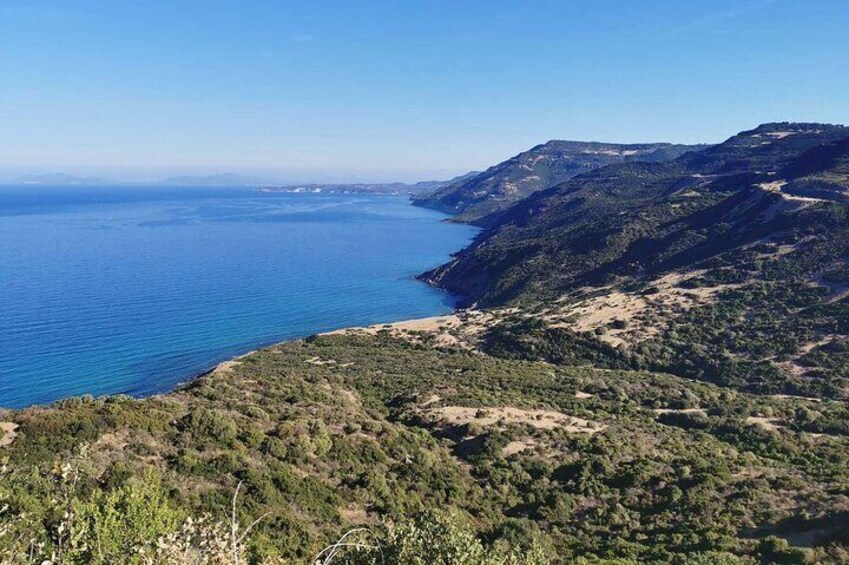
655	371
724	265
590	228
346	430
538	168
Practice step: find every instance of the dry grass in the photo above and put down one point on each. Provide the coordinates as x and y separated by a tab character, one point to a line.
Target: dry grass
680	411
492	416
9	433
462	329
594	308
518	446
771	424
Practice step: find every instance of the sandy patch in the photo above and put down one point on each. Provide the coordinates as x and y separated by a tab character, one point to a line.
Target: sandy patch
319	361
10	432
431	400
540	419
432	324
226	366
230	364
794	397
776	187
781	134
461	329
518	446
771	424
581	394
792	367
603	310
680	411
605	306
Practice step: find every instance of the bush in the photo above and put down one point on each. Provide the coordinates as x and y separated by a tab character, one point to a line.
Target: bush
115	525
431	538
213	425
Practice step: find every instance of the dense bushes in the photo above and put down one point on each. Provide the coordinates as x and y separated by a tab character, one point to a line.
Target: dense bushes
327	448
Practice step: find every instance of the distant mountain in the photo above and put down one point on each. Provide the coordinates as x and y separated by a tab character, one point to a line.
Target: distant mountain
539	168
642	217
220	180
396	188
666	382
59	179
729	265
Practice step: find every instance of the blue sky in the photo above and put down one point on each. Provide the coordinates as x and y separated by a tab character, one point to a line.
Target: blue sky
409	90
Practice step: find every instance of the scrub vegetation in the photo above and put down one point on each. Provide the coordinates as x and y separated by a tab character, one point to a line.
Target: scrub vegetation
656	372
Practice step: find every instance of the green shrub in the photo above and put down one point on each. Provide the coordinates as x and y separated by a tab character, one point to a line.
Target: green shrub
113	526
431	539
206	424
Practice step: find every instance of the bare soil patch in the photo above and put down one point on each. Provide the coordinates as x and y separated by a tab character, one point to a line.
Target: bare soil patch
9	433
608	308
771	424
540	419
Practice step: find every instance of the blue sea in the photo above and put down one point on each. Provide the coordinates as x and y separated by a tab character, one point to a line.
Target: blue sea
133	290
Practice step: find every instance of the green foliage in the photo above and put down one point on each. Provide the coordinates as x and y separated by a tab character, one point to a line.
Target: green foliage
476	196
114	526
213	426
553	445
727	215
344	447
435	539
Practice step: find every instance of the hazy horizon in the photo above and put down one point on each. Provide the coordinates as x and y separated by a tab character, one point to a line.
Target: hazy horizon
157	176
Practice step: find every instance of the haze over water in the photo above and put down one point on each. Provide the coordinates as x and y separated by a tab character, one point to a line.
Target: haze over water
134	290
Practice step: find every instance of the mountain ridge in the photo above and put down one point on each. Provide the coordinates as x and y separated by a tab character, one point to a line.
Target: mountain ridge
660	375
538	168
752	231
732	165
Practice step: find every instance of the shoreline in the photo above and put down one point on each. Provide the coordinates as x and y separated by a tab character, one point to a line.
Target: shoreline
424	324
453	319
458	328
139	384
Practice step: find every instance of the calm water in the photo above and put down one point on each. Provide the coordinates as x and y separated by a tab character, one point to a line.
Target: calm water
133	290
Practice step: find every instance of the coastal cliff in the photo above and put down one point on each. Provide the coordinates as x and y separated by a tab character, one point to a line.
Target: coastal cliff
656	373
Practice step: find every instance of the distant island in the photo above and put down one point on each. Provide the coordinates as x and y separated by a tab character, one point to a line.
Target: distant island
235	180
65	179
394	188
60	179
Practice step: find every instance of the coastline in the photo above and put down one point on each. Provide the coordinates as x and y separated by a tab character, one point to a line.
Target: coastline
425	324
185	335
407	327
459	328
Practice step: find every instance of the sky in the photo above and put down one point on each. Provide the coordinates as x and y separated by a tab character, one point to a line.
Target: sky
369	90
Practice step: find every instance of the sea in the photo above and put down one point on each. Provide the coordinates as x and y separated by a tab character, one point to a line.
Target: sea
134	290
